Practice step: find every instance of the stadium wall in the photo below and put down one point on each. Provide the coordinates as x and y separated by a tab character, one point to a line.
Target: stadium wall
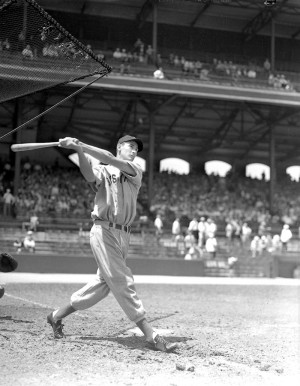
34	263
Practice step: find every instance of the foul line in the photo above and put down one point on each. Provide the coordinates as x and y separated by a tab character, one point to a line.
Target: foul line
37	303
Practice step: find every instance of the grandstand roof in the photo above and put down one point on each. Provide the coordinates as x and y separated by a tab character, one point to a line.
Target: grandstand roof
243	16
187	126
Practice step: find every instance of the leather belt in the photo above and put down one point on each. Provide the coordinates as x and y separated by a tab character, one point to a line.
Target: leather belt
124	228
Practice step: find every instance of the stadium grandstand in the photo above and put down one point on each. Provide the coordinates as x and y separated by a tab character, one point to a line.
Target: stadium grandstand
228	90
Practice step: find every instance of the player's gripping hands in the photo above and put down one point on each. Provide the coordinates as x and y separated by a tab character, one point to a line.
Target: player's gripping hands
70	143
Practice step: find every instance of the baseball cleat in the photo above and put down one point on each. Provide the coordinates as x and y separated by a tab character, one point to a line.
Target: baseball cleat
160	344
56	327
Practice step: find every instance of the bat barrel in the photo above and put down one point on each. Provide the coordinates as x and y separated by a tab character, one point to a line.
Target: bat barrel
32	146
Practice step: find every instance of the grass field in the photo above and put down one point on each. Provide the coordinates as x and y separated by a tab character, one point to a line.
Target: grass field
230	332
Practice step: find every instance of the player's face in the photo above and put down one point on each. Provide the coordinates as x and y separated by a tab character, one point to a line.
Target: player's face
128	150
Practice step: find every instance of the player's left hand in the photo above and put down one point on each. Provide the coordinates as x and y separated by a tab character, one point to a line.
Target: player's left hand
7	263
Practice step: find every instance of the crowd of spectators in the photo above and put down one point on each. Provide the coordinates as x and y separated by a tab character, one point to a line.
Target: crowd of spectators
142	54
49	191
55	190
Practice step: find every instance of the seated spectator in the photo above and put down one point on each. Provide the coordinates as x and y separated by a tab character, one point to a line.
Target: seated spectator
5	45
29	242
158	74
251	73
192	254
176	61
204	74
189	241
117	54
18	245
27	52
45	50
125	68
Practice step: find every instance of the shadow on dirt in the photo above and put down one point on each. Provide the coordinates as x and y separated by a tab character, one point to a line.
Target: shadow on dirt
2	318
132	342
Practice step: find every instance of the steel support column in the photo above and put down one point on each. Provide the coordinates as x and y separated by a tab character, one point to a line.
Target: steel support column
272	169
154	31
17	138
151	158
273	46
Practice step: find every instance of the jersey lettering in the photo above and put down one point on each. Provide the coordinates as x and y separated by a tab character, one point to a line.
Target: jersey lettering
112	179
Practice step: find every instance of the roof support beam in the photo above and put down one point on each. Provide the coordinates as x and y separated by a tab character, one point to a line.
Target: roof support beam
219	135
170	127
261	20
202	10
145	11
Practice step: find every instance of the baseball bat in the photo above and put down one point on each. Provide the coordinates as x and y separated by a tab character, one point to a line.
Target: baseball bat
32	146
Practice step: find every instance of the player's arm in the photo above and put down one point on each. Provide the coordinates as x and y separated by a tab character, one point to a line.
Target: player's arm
84	165
108	158
102	155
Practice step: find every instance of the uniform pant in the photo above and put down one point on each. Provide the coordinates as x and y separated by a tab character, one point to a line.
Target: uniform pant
110	248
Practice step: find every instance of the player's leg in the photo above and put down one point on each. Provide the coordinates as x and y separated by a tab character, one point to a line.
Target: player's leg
114	246
86	297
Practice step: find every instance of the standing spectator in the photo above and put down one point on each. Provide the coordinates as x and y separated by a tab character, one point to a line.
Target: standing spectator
245	234
267	65
21	40
158	224
276	243
29	242
193	227
211	245
138	45
255	246
285	237
176	229
229	233
211	227
149	54
201	233
180	244
33	223
8	201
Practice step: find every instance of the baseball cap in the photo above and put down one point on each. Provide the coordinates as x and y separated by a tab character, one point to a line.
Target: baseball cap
127	138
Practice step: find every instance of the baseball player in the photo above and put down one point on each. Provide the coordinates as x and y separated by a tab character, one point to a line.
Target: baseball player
116	182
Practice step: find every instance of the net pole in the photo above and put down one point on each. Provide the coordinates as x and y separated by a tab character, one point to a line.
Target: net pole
52	107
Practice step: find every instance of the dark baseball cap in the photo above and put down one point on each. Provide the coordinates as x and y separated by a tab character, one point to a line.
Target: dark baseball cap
128	138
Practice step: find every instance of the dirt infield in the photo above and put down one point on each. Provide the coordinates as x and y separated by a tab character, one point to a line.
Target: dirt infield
228	335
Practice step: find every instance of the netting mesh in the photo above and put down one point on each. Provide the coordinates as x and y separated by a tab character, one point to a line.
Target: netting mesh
36	52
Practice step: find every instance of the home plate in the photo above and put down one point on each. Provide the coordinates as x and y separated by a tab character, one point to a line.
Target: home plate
160	331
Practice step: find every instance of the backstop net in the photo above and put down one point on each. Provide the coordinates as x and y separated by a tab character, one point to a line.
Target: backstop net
36	52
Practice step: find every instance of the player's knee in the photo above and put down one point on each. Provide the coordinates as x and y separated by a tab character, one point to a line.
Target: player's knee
76	302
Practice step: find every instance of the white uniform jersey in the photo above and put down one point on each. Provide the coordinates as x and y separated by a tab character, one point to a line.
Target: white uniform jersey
116	196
